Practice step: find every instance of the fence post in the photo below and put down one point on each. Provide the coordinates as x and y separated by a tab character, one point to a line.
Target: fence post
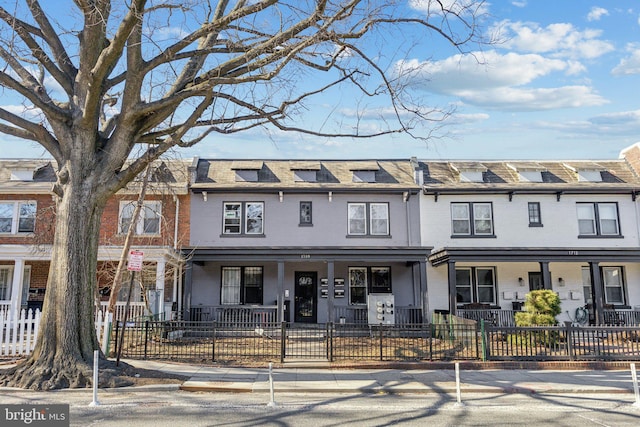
213	342
283	341
116	342
432	332
381	357
146	337
483	334
330	341
570	349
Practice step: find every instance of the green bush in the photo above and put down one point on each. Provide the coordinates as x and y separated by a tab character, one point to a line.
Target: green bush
540	309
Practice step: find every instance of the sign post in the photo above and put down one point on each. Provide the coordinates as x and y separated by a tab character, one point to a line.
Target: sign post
133	264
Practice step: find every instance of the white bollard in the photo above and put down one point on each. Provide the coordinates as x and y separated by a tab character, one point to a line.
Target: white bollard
458	393
272	402
96	356
634	377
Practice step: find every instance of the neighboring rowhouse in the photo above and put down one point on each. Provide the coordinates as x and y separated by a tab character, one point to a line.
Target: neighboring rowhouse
27	214
304	241
502	228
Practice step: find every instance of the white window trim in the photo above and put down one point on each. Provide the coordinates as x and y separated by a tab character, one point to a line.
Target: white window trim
596	219
471	213
15	216
244	219
9	284
154	206
367	209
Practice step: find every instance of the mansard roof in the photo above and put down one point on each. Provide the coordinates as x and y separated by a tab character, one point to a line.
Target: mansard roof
330	175
33	176
614	176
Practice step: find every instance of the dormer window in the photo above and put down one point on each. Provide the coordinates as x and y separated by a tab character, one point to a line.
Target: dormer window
365	171
589	175
470	171
471	176
305	171
21	174
246	171
528	172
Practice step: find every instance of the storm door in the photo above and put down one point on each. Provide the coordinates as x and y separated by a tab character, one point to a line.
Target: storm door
305	302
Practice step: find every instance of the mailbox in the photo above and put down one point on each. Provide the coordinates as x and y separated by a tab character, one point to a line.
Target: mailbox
381	309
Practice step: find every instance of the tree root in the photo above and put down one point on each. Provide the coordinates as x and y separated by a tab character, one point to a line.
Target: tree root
47	374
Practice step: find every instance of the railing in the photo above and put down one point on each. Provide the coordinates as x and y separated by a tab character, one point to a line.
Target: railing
235	315
19	332
621	317
351	314
137	310
451	340
358	315
208	341
563	343
495	317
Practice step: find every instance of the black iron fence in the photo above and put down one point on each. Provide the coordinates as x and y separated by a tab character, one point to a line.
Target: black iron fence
213	342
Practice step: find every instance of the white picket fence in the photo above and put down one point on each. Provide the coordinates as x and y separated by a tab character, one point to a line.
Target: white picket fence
18	333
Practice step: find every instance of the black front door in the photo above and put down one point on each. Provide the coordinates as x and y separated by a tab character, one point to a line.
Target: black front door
305	305
535	281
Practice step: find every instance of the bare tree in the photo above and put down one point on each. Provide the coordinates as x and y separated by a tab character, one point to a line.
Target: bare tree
105	81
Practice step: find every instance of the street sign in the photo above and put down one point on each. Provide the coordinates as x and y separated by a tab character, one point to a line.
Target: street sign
135	260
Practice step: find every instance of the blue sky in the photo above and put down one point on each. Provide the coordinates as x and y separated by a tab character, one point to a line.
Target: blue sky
562	84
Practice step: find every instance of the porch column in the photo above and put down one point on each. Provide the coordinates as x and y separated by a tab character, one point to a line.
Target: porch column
16	285
330	287
453	300
546	275
423	301
280	290
188	286
160	273
597	292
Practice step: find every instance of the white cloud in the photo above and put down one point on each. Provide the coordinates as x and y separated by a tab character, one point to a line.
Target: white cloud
535	99
629	65
519	3
560	40
500	81
463	7
596	13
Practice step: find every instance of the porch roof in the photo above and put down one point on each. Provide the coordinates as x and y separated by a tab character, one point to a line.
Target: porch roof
568	254
306	254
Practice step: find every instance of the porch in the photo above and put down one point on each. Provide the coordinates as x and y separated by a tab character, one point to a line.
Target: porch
506	318
256	315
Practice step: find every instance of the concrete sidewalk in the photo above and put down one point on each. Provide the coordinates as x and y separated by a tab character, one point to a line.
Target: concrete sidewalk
409	381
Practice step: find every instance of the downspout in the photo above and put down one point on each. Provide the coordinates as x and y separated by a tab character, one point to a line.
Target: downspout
176	199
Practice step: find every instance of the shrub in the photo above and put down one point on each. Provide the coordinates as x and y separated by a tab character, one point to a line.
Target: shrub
540	308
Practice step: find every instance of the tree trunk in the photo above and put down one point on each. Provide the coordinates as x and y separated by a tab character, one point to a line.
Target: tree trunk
63	354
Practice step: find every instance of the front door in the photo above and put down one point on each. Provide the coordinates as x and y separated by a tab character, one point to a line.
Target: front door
535	281
305	301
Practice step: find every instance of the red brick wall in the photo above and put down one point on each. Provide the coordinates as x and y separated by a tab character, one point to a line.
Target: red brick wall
45	220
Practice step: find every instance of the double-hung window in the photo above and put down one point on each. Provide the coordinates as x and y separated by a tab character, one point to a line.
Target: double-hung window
598	219
472	219
148	222
6	277
241	218
241	285
476	285
368	279
535	219
368	219
612	281
613	285
17	217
